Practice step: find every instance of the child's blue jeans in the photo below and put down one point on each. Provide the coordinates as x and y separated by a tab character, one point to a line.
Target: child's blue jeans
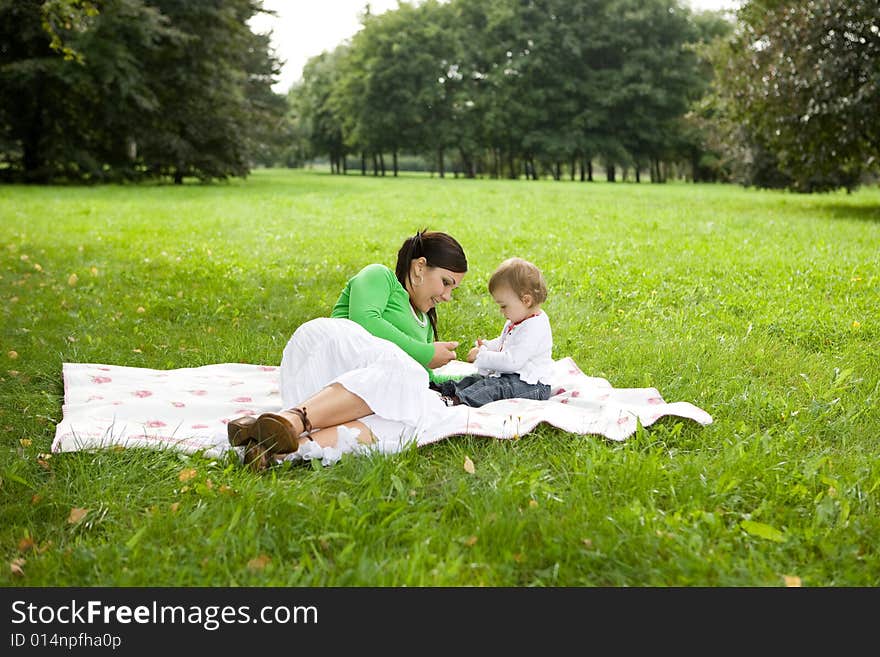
477	390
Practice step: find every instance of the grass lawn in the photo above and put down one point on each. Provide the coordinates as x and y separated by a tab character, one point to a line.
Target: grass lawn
762	308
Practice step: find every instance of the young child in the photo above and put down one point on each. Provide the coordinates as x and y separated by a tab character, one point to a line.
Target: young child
518	363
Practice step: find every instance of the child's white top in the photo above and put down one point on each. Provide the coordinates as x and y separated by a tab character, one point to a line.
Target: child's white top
524	348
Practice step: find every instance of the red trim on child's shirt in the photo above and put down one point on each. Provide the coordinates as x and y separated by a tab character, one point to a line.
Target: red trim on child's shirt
513	325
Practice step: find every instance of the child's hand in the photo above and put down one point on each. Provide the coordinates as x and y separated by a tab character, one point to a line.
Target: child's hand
472	354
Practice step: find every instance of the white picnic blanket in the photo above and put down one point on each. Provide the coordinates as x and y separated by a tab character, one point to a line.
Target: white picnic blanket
187	409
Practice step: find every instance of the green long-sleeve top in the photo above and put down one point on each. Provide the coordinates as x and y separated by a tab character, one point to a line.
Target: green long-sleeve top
376	300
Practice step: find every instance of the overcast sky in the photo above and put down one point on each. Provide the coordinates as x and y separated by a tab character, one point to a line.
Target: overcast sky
305	28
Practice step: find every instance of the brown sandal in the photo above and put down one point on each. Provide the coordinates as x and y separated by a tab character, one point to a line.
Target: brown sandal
241	430
275	433
256	457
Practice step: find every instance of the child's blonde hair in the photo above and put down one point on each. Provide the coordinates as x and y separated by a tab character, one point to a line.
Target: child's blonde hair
522	277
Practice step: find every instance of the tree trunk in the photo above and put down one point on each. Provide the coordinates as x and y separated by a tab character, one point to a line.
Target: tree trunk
467	163
610	173
363	163
441	167
512	167
573	165
375	165
382	163
394	155
178	177
31	159
590	170
638	174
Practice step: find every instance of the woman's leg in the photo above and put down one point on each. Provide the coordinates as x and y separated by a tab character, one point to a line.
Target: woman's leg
325	411
329	407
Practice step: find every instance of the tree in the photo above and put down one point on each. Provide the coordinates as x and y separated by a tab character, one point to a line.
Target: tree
212	85
802	79
702	131
69	102
312	100
132	88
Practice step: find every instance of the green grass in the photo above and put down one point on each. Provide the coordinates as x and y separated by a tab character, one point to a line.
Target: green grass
762	308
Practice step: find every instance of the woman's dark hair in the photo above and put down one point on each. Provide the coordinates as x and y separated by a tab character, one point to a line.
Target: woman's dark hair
439	250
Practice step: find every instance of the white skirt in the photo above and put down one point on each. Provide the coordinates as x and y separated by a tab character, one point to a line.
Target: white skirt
331	350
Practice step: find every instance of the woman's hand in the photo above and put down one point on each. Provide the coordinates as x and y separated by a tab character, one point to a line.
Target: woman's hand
443	353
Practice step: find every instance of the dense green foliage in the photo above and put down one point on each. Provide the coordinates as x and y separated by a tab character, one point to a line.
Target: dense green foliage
132	89
799	93
510	88
782	93
760	307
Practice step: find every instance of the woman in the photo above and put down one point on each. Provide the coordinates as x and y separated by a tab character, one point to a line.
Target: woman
364	372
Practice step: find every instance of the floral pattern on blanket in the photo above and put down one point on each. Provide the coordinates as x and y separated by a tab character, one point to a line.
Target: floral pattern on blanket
188	408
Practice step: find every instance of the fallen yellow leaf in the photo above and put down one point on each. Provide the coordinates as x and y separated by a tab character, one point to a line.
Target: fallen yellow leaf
15	567
174	507
187	473
140	309
76	514
471	540
72	279
260	562
12	355
25	442
25	544
792	581
533	503
469	465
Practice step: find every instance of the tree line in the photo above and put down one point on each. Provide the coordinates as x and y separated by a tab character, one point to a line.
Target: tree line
508	88
783	94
